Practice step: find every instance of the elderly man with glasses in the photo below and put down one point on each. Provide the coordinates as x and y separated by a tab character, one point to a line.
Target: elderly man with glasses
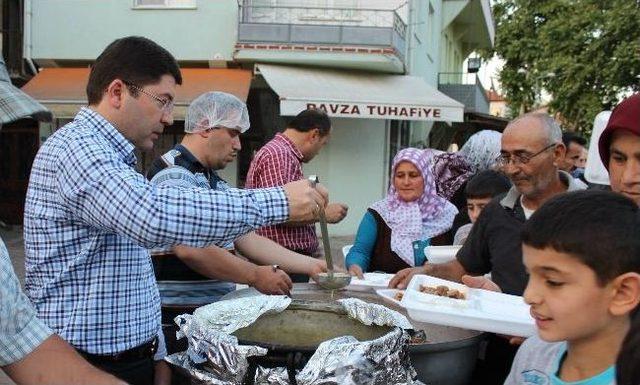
531	151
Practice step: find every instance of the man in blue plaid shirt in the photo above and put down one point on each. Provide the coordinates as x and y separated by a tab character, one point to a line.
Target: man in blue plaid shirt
90	216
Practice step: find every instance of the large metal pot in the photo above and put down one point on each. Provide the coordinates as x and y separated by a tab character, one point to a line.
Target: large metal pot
293	335
304	325
447	357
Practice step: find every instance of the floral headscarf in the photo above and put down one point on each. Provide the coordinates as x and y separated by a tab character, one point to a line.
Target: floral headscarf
482	149
450	171
426	217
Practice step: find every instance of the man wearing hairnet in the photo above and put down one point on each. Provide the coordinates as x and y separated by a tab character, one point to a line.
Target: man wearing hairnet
213	124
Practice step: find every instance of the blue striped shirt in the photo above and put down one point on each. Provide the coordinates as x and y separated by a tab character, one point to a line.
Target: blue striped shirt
90	218
20	331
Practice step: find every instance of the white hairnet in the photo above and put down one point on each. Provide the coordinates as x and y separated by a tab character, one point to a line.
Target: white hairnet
216	109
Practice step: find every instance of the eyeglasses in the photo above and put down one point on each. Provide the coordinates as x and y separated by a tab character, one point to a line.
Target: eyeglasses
504	159
166	105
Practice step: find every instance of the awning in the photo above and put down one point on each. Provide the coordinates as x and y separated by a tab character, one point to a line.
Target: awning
15	104
62	90
486	121
351	94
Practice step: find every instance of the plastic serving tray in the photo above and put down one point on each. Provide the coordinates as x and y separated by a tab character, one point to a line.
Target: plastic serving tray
481	310
371	281
389	295
441	254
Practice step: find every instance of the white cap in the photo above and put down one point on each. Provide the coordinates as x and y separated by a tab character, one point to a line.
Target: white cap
216	109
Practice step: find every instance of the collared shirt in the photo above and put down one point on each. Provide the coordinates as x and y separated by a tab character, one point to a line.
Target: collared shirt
177	283
277	163
20	331
495	244
89	220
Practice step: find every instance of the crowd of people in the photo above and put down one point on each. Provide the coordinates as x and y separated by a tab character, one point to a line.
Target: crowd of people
111	253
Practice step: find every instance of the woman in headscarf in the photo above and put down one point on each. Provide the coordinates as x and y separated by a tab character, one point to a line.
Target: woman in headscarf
482	149
394	231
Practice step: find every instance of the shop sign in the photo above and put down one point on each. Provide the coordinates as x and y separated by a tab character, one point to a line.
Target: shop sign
375	110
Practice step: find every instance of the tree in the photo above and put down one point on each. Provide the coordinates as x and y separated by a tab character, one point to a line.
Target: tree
585	53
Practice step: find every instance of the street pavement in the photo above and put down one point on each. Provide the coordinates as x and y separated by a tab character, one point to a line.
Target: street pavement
12	237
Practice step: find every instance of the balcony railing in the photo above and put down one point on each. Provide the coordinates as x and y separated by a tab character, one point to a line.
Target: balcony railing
465	88
321	25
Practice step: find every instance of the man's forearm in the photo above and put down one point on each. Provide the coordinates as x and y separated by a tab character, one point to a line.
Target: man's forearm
56	362
215	262
267	252
452	270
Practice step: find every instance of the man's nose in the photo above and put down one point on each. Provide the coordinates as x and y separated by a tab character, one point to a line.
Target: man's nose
631	173
530	295
167	118
237	144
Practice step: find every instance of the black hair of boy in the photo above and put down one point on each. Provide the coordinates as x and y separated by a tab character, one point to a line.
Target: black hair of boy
571	137
311	119
627	368
135	60
599	228
487	184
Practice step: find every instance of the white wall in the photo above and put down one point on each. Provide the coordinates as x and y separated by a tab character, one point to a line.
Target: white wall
352	166
81	29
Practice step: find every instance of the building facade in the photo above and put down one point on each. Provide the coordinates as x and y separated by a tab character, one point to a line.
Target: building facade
378	67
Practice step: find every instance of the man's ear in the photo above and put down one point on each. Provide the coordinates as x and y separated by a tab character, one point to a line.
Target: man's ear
626	294
204	133
314	135
114	94
559	152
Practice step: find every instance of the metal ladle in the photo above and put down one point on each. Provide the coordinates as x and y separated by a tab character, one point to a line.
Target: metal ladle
330	280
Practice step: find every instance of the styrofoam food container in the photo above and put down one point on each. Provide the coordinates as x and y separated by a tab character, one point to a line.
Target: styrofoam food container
389	295
371	281
484	310
441	254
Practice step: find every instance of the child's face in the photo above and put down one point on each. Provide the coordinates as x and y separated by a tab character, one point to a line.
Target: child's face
566	299
475	206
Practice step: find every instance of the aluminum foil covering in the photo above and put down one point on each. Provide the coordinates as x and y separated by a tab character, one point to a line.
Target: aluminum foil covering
214	356
275	376
229	316
345	360
374	314
226	361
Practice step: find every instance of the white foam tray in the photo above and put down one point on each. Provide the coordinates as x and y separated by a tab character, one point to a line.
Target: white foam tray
389	295
441	254
370	281
481	310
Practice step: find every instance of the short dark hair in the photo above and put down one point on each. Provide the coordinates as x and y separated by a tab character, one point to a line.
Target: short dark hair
627	369
572	137
487	184
134	59
599	228
311	119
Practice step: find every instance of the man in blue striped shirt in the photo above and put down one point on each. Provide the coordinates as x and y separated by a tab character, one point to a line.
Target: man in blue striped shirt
29	351
90	216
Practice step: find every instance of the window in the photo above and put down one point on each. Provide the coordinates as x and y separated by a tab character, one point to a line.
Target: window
160	4
399	138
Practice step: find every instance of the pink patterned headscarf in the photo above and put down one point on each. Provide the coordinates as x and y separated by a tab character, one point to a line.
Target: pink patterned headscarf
426	217
451	171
